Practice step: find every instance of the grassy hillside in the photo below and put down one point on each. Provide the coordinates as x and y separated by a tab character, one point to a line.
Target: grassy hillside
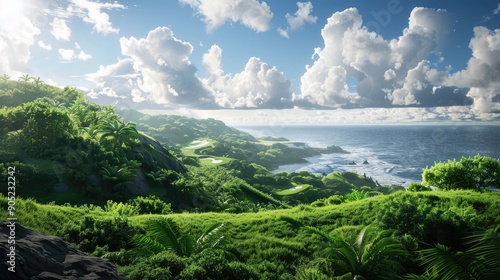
69	150
275	242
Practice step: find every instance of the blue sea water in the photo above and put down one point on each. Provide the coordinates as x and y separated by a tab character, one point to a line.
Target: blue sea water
396	153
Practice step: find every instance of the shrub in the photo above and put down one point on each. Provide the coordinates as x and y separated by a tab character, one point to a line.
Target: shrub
150	205
121	209
427	218
416	187
30	177
90	233
475	173
164	265
212	264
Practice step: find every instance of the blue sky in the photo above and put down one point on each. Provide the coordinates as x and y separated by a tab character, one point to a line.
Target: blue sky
250	61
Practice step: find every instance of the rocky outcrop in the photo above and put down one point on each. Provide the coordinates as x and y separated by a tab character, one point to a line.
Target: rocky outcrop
156	155
38	256
139	186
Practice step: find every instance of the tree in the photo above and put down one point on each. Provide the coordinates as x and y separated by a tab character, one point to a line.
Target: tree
44	125
374	254
481	261
24	78
4	78
122	133
118	176
37	81
475	173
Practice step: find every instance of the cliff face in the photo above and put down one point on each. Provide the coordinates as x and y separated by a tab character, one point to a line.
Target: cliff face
39	256
154	155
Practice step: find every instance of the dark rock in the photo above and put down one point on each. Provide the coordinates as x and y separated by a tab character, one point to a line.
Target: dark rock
60	187
139	186
38	256
156	155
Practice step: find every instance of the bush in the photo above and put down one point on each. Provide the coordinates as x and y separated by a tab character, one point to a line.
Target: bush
335	200
416	187
30	177
475	173
164	265
150	205
427	218
121	209
90	233
212	264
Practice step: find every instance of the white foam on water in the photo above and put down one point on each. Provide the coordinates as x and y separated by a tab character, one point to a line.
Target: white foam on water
383	172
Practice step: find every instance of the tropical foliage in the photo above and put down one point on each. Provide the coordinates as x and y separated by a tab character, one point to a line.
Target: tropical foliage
373	255
132	191
475	173
164	234
480	261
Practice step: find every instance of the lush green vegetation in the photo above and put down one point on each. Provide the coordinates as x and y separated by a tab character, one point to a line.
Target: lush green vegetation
282	244
468	173
139	190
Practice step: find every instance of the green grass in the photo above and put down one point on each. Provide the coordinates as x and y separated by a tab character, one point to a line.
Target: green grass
271	240
296	189
273	236
190	151
34	214
207	160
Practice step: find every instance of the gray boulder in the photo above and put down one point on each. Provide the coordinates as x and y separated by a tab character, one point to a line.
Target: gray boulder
38	256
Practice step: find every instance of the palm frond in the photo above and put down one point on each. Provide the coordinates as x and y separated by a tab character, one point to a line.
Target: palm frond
187	245
166	232
145	242
451	265
486	246
211	238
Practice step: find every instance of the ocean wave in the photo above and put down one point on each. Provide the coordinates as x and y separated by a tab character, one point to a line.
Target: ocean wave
377	169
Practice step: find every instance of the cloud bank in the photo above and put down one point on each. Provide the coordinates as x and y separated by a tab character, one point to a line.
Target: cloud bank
388	72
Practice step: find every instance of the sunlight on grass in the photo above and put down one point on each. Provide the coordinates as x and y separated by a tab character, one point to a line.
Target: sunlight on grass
294	190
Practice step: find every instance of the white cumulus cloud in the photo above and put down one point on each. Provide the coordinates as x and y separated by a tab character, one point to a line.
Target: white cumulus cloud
68	55
301	16
388	72
482	73
215	13
299	19
283	32
259	85
156	68
17	35
60	29
44	46
91	12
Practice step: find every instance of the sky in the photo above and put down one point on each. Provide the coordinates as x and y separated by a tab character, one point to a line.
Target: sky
250	62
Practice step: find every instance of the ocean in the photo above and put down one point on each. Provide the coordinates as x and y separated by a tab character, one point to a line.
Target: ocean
396	154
